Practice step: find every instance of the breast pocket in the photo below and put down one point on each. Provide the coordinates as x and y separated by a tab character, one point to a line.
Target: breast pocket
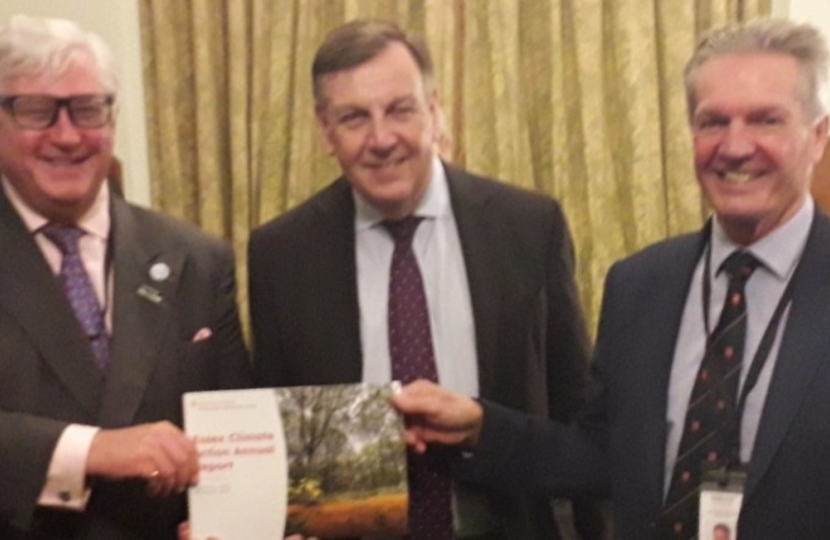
197	366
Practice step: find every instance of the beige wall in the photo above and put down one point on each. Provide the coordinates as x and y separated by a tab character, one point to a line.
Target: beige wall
117	22
816	12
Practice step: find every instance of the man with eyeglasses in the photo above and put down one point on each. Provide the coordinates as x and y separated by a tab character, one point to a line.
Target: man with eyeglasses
108	312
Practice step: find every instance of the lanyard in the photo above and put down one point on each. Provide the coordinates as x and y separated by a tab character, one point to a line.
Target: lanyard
733	424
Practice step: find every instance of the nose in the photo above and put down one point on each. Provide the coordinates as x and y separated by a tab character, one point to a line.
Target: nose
381	135
738	142
63	131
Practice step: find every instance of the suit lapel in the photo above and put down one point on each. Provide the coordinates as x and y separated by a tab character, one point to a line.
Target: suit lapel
141	311
337	283
30	292
482	262
657	333
803	348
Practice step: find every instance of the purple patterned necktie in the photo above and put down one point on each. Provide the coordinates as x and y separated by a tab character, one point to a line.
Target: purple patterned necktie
78	289
410	348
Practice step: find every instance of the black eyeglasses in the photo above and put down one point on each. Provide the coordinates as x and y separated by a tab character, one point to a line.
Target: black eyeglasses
34	111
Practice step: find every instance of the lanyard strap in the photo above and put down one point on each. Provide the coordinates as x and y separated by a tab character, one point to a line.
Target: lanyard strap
733	423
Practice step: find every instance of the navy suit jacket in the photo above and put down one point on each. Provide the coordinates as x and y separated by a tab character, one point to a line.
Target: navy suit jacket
48	378
530	335
621	436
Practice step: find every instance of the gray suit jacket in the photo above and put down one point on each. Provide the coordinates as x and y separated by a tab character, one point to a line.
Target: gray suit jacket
530	335
622	433
48	379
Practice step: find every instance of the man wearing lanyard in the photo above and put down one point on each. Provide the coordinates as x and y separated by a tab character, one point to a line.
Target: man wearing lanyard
108	312
711	396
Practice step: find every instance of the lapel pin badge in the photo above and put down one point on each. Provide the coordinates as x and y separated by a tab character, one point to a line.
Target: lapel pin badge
149	293
159	272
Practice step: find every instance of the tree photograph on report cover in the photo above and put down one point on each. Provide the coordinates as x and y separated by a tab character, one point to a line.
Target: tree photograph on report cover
346	461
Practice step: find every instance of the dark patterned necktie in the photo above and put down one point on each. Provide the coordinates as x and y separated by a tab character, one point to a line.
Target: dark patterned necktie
707	439
78	289
411	351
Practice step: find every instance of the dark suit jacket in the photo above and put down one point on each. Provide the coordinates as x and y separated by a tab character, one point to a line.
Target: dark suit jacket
48	378
530	335
621	436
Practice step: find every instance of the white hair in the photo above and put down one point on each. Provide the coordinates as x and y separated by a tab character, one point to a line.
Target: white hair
48	47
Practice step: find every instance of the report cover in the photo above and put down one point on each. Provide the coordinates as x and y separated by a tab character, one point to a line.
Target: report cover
325	461
242	492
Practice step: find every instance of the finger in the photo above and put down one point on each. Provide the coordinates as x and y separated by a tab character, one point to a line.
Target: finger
190	460
413	442
182	454
155	484
162	480
422	398
176	457
184	530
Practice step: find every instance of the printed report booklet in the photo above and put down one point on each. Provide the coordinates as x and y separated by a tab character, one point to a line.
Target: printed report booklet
323	461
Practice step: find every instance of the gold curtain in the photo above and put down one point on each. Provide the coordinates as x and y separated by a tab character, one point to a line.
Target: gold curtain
579	99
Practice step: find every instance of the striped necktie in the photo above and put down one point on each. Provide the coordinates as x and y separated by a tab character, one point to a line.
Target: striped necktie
706	437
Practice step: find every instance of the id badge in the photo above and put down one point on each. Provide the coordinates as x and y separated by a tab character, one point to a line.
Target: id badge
721	497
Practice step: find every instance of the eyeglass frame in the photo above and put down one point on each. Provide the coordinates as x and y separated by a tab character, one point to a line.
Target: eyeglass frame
7	104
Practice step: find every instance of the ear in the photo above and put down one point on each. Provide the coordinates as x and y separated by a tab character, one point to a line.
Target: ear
437	115
434	99
325	127
820	133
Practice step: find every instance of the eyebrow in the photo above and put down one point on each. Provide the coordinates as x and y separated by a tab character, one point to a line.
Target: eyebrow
408	98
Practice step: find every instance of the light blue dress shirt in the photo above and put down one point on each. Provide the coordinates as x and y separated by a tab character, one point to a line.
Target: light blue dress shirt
779	251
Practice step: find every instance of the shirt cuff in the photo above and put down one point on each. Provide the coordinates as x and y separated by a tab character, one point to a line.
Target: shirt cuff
66	479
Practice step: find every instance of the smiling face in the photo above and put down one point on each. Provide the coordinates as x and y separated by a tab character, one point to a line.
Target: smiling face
380	124
754	146
58	170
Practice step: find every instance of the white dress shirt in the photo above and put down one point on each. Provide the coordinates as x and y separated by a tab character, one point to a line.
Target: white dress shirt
437	249
779	252
65	480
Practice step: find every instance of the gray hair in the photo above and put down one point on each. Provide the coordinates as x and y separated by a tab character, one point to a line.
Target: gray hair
803	42
31	47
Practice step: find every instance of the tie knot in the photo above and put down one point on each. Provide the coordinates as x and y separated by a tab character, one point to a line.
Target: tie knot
65	237
740	265
403	230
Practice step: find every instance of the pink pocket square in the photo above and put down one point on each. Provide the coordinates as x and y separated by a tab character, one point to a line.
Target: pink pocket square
202	334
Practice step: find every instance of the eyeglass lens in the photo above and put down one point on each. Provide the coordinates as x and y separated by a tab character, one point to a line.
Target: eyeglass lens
40	112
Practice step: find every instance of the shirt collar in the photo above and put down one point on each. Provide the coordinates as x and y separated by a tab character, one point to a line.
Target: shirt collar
96	221
779	251
434	204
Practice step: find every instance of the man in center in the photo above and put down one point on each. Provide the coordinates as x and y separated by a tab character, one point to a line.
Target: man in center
408	268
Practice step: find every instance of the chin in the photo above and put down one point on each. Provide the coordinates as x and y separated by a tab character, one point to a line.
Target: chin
737	210
69	191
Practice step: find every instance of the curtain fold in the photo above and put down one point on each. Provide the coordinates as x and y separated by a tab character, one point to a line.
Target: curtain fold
579	99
